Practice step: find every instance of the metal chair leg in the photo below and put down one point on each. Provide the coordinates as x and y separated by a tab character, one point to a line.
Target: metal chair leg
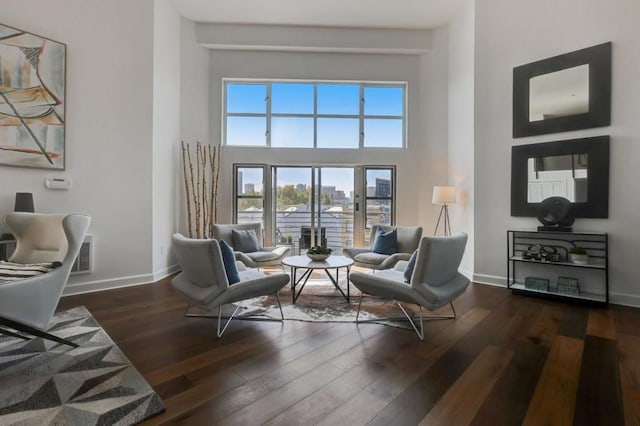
220	333
280	306
419	333
23	328
359	304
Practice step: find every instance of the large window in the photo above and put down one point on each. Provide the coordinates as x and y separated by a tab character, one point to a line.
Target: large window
314	115
306	205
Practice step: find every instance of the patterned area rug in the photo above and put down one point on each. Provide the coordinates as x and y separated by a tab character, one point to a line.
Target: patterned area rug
45	383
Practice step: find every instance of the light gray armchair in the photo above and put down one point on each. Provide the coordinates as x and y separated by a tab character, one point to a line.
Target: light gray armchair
408	240
434	282
27	305
264	256
203	280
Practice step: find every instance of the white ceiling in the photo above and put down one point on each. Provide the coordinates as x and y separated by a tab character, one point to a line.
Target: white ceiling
404	14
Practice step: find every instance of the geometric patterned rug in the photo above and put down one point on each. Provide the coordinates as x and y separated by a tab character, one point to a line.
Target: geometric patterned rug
46	383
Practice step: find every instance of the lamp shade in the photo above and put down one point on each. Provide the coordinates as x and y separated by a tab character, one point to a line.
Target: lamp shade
24	202
444	195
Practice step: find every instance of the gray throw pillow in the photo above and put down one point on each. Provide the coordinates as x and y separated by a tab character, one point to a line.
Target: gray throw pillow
245	241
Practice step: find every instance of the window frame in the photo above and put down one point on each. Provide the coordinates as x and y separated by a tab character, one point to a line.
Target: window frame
237	197
391	197
361	116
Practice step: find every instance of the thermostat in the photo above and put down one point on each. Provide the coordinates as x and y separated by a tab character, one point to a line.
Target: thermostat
57	183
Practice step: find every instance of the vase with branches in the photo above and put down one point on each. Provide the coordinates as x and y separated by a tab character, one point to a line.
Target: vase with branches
201	187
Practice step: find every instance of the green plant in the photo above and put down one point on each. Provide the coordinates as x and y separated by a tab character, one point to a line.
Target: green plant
577	250
319	250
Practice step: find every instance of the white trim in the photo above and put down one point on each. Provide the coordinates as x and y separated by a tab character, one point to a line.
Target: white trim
165	272
490	280
467	274
624	299
615	298
130	281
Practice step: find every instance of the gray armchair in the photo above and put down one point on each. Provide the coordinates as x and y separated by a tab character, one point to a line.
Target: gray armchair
27	305
408	240
266	256
435	280
203	280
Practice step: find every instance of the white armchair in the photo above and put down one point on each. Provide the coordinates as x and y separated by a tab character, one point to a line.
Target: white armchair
408	240
434	280
27	305
264	256
203	280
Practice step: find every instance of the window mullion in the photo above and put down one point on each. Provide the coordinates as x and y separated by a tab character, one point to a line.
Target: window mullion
268	130
315	115
361	118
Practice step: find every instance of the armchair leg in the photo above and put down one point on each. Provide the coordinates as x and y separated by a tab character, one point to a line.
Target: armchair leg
220	333
23	328
408	317
279	305
359	304
413	324
12	334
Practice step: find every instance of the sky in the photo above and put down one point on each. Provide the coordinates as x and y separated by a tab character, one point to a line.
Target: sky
340	100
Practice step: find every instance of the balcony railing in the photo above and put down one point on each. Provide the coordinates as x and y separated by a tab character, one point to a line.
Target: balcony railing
338	226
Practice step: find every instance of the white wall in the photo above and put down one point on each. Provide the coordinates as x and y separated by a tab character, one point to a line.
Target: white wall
166	133
323	66
195	113
511	33
108	130
461	125
434	124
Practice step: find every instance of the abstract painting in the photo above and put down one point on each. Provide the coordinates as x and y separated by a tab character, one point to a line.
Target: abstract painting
32	100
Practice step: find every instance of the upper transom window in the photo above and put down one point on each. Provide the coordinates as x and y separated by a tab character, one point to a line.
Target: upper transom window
288	114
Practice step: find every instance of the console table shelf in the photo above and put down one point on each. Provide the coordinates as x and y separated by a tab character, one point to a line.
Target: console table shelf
595	274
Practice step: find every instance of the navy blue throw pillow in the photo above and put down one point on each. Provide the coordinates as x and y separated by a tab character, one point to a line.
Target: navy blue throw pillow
229	260
385	242
410	266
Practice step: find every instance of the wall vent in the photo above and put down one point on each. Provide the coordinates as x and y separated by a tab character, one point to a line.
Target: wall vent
84	261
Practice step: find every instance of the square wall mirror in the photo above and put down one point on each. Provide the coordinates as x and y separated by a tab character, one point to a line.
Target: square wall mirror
576	169
566	92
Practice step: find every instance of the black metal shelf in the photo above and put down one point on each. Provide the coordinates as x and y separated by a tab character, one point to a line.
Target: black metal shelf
596	243
571	264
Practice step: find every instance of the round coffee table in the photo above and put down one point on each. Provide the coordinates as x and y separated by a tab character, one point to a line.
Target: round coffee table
308	265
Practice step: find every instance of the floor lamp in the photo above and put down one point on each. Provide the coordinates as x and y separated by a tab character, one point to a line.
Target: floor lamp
444	195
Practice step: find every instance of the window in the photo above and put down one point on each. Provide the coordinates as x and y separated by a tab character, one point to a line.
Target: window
314	115
315	197
379	206
249	193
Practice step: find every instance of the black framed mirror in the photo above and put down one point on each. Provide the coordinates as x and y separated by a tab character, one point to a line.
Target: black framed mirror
565	92
576	169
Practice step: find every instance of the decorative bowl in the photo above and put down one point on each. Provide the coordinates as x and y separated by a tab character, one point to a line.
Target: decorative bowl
318	257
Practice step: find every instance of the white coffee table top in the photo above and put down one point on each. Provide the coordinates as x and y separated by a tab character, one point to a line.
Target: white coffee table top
304	262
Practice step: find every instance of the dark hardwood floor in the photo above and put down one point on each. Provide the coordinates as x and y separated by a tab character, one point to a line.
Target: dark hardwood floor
506	360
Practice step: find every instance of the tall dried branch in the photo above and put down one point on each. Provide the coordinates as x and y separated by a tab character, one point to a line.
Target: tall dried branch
195	200
186	186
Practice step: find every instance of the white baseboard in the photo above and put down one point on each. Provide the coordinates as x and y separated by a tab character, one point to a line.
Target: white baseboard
615	298
158	275
467	273
130	281
490	280
624	299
